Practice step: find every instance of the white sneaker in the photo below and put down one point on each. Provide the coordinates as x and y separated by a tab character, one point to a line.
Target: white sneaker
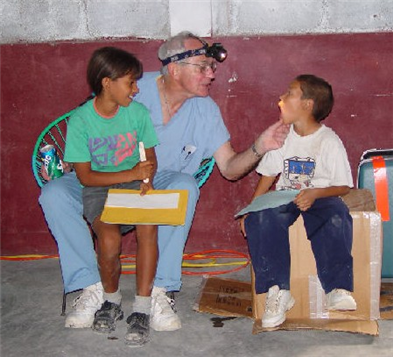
85	306
163	315
277	303
340	299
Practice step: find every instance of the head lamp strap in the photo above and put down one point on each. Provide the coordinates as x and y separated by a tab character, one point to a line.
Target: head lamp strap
181	56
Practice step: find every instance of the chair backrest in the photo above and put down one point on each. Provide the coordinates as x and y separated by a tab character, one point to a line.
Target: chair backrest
55	134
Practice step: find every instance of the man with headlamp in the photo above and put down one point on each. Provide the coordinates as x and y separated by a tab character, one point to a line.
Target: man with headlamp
190	128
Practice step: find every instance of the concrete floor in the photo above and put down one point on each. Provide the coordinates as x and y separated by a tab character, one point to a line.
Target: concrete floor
31	325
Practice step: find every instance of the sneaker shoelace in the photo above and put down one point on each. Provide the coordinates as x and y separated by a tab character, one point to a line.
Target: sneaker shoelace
137	320
166	302
273	302
88	299
171	300
342	292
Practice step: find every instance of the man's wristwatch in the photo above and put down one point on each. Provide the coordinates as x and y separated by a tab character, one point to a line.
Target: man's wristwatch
256	153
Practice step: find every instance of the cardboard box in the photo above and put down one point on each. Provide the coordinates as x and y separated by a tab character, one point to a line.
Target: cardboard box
310	310
224	297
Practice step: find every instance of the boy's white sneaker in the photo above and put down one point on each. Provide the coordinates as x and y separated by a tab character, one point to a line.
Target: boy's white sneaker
163	315
340	299
277	303
85	306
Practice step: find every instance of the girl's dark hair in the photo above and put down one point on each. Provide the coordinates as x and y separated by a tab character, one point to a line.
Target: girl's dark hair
113	63
320	92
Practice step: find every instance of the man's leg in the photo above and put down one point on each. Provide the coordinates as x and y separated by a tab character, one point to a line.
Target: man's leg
172	239
61	202
171	243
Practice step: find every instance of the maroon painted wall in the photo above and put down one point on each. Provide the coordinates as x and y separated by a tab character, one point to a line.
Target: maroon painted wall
40	82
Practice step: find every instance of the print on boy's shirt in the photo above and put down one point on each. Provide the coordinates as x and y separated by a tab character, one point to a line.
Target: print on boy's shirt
113	148
299	172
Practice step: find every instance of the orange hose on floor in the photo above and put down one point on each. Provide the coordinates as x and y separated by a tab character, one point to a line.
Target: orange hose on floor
212	256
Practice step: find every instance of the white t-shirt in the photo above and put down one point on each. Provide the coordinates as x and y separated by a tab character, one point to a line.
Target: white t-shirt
318	160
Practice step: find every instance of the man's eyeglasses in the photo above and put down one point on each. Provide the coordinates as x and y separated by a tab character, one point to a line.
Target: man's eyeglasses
203	67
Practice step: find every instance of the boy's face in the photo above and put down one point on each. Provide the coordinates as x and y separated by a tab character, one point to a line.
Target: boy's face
291	104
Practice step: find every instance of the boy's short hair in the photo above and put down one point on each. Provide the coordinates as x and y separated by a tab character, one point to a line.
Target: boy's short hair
320	92
113	63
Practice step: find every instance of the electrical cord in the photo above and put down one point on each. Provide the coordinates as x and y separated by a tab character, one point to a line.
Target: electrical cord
204	262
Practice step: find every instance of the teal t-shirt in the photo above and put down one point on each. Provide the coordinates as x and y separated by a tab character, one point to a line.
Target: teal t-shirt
111	145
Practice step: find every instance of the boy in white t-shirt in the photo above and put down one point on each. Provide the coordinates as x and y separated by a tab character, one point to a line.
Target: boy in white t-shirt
314	161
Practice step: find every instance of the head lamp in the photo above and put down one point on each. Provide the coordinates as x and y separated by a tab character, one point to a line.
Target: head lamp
216	51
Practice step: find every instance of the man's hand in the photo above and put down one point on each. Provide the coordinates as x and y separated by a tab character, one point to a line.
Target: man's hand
66	169
272	138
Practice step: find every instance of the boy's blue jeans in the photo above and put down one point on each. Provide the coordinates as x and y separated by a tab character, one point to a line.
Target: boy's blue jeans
61	201
329	229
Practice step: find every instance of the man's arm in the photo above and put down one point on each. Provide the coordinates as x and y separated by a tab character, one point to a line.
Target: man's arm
234	165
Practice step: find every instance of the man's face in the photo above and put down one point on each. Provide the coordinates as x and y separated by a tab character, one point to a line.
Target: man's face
195	74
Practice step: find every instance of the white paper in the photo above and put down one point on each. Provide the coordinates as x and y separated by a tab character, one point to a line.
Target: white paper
135	200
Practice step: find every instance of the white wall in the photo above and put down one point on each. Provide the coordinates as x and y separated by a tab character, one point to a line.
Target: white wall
58	20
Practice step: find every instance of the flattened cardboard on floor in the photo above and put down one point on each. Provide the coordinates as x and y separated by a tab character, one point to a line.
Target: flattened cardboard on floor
224	297
310	309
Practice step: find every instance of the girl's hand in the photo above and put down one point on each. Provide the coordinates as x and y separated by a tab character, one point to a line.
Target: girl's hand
144	187
143	170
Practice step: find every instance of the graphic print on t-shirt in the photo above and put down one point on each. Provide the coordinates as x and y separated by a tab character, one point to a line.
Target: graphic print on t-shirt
299	172
112	149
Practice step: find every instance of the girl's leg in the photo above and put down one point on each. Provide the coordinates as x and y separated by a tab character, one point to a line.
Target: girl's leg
329	228
108	254
146	258
138	329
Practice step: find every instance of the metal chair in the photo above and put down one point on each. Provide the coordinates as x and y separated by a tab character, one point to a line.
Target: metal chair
55	134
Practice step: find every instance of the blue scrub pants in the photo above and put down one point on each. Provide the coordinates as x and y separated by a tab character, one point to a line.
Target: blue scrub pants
329	229
61	202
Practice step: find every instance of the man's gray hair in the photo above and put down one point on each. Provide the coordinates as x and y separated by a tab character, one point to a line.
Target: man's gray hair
175	45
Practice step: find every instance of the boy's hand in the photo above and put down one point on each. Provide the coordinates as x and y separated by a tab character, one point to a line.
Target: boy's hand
242	226
305	199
